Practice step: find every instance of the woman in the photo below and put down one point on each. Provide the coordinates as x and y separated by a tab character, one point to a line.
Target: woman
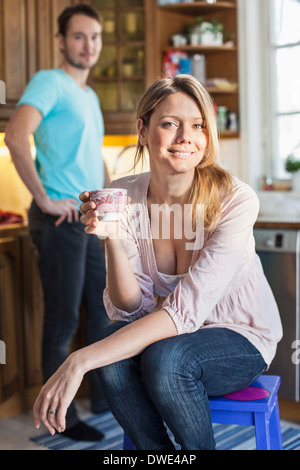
193	313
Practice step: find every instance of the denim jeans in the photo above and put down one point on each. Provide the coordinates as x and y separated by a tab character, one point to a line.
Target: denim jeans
169	383
72	270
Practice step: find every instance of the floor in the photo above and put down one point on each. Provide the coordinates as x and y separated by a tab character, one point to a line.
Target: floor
16	431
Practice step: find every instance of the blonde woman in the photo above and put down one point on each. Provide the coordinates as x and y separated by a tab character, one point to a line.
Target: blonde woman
193	314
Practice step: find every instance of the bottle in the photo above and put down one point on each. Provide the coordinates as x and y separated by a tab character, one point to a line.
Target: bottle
199	68
232	121
222	118
185	66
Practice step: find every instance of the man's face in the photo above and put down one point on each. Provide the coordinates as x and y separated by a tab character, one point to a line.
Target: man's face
82	43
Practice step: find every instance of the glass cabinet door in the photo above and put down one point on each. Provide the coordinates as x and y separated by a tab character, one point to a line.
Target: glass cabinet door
119	76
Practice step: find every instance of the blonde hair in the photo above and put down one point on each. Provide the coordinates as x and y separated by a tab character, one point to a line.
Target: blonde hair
211	182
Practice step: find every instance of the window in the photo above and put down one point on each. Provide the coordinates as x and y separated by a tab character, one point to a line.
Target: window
284	45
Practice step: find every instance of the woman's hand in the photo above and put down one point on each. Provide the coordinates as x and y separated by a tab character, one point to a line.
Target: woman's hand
90	218
131	340
51	405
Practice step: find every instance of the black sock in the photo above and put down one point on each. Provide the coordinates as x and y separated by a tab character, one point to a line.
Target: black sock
83	432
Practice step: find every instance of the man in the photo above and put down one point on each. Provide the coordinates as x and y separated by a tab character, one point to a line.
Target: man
63	114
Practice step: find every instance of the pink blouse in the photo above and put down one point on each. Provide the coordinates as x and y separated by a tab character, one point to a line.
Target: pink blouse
225	285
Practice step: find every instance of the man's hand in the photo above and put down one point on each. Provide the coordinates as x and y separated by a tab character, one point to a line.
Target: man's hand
64	208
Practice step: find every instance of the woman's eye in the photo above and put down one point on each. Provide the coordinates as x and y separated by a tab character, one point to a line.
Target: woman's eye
169	124
199	126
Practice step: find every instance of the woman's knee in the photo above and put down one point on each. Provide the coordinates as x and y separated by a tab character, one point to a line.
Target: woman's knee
165	362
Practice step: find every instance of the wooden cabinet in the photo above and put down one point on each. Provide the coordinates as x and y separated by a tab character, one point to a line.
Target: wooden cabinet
21	323
27	44
21	318
221	61
126	64
11	377
32	312
125	68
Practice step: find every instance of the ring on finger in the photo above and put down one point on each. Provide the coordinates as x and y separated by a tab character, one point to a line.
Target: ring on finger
52	412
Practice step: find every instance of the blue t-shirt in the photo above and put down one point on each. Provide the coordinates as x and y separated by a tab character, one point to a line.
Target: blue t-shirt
69	138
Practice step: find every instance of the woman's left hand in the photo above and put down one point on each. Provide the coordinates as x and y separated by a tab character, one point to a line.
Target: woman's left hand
51	405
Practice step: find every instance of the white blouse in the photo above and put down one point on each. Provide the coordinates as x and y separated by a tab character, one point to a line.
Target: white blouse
225	285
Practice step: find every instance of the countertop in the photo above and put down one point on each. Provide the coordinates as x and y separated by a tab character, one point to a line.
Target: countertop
279	210
276	223
13	230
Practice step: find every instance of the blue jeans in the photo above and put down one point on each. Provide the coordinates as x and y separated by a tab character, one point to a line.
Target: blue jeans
170	383
72	270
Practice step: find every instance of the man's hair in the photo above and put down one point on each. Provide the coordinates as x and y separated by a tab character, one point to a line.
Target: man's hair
80	9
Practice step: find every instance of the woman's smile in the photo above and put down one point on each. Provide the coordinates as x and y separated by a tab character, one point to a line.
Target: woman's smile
181	154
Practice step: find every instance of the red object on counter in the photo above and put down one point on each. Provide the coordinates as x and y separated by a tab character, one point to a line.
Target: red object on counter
8	218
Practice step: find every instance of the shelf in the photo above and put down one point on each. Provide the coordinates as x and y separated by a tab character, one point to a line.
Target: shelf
201	49
229	134
122	78
220	91
195	7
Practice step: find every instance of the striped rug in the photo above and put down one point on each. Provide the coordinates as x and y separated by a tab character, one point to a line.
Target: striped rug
228	437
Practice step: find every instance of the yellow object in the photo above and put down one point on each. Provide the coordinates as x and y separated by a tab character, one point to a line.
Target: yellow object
109	140
119	140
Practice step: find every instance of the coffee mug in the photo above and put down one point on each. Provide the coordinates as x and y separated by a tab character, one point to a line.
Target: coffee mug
110	202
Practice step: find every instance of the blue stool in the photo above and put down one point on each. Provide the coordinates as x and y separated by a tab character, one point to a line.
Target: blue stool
256	405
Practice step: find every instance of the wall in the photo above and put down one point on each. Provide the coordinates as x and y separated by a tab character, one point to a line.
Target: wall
15	197
230	156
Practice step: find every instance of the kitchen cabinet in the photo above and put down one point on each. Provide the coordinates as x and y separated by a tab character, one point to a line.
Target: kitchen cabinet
21	322
126	64
221	61
11	377
27	44
125	68
21	317
32	312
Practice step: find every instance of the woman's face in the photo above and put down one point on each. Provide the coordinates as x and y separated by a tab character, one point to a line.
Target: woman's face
175	137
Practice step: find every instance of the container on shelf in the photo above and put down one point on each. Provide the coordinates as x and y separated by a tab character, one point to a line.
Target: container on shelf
199	68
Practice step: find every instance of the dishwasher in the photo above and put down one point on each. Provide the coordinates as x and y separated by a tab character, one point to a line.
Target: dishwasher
279	253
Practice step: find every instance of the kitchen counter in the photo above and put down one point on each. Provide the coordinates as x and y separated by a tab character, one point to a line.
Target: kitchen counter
277	223
278	210
13	230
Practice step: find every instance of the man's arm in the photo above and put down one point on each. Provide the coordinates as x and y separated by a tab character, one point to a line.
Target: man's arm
24	122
